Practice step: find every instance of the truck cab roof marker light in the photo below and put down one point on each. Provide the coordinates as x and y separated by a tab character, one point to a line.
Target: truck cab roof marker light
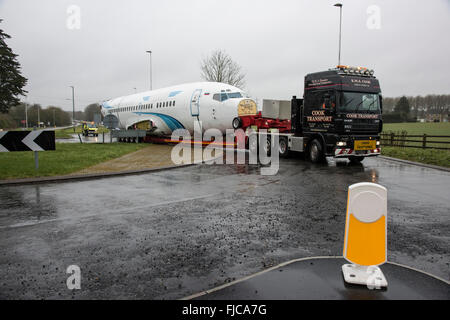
356	70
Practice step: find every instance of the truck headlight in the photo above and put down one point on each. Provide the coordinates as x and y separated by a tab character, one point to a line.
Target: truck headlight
378	143
341	144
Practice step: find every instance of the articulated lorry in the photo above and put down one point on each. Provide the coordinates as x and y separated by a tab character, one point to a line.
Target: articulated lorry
339	116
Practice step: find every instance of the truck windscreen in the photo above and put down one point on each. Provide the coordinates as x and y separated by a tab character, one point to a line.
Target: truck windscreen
359	102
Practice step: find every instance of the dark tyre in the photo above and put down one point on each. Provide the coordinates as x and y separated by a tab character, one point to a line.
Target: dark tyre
237	123
283	147
316	153
253	144
356	159
267	146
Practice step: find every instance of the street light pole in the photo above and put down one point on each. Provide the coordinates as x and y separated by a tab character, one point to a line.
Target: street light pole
151	84
73	106
26	113
340	29
39	117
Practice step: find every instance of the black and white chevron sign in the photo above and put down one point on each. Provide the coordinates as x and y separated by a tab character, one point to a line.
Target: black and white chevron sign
27	140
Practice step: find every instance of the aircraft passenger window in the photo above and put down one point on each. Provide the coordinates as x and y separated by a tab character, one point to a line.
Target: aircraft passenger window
174	103
216	97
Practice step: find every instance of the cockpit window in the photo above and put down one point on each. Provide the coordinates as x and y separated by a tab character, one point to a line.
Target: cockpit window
234	95
225	96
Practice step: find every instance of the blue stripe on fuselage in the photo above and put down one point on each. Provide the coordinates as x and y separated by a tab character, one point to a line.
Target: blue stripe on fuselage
174	93
171	122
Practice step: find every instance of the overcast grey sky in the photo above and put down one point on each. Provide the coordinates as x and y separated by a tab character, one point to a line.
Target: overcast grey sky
275	42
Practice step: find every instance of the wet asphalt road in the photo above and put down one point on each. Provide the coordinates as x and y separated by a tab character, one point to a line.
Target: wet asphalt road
169	234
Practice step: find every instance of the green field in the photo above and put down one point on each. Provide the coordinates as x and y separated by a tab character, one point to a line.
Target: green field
416	128
430	156
67	158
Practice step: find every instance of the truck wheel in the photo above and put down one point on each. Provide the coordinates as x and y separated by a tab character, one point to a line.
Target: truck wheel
316	154
237	123
283	147
356	159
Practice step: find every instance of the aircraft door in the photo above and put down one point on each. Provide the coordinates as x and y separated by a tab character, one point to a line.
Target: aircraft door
195	102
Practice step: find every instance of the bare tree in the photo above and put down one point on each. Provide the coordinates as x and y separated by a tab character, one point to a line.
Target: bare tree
219	67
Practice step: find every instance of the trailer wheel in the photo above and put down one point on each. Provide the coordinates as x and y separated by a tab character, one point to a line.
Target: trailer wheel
267	147
237	123
283	147
316	154
356	159
253	144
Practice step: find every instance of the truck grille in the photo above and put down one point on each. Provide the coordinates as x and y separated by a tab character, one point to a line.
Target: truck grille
364	126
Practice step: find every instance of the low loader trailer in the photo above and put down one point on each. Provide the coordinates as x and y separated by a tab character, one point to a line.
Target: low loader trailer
339	116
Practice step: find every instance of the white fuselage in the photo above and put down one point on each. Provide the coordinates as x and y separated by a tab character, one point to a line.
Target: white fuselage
178	107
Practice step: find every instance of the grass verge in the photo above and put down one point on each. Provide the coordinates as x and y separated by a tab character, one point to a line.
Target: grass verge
428	156
67	158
